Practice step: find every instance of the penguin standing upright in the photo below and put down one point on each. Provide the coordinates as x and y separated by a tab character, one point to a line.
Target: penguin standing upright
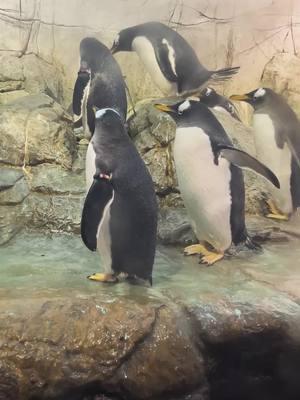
210	183
218	102
99	83
119	216
277	142
169	59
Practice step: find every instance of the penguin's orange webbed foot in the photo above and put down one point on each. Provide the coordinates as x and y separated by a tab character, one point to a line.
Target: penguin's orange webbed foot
275	213
194	249
211	258
105	278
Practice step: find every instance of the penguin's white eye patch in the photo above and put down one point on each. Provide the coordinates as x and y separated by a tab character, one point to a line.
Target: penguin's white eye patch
184	106
259	93
208	91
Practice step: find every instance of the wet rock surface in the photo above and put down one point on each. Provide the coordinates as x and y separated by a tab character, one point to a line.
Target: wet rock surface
226	332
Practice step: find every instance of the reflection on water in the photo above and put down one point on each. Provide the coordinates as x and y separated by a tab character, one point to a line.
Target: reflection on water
57	265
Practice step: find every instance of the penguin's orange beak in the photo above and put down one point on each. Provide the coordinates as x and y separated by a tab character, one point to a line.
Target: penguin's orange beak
240	97
163	107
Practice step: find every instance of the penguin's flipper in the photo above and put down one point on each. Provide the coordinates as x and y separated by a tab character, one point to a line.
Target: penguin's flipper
164	54
80	84
242	159
99	196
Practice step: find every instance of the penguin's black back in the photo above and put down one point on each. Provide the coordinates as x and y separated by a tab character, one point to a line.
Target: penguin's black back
133	216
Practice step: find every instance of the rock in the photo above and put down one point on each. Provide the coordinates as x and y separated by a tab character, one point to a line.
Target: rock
53	179
83	342
172	346
16	194
11	75
33	129
31	74
58	213
279	75
174	227
145	142
12	220
160	165
79	162
8	97
8	177
43	77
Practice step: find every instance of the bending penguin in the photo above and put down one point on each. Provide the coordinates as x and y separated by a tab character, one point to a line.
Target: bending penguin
218	102
211	184
119	216
169	59
277	142
99	83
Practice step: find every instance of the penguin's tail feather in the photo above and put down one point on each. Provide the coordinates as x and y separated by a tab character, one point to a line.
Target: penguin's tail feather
224	74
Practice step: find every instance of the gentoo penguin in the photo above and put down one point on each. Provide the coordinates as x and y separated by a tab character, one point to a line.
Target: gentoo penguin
277	142
99	83
218	102
169	59
119	216
211	185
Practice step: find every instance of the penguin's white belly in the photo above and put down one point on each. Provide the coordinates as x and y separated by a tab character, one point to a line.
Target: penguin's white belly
143	47
90	165
104	238
278	160
85	97
221	109
204	186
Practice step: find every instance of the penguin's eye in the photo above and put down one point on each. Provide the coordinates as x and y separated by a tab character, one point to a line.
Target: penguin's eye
207	93
230	107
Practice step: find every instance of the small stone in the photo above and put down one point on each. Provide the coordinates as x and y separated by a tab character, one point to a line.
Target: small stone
16	194
8	177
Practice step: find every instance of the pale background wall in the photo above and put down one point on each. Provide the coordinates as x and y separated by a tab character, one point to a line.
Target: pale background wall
224	33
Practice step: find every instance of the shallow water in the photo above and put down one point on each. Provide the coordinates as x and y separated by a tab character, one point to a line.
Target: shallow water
57	265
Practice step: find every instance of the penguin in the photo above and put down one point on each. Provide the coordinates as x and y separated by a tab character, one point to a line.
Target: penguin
168	57
99	83
210	179
218	102
119	217
277	141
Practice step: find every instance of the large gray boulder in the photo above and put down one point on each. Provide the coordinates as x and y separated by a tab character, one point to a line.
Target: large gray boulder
35	130
29	74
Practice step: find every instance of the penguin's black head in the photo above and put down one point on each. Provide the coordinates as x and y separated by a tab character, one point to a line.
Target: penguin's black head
123	40
180	111
91	53
212	99
257	98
